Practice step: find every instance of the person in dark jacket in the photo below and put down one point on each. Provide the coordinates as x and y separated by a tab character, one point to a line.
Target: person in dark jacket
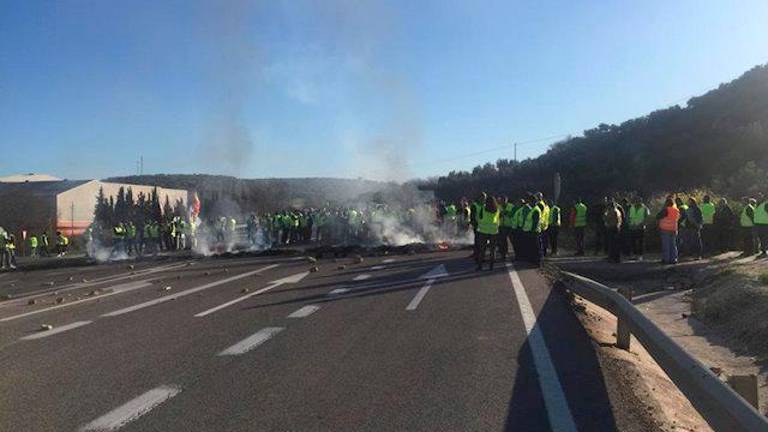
694	222
595	219
725	225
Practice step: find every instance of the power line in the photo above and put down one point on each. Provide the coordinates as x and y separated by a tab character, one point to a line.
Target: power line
488	150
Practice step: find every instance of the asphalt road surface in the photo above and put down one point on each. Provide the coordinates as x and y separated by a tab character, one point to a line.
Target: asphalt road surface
406	343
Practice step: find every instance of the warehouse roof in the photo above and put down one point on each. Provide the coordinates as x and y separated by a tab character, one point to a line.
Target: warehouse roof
42	187
28	178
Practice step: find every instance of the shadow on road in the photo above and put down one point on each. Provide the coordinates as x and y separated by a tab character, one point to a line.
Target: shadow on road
578	370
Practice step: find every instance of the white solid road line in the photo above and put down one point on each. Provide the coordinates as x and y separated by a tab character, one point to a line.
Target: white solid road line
252	341
272	285
304	312
361	277
430	276
187	292
118	289
131	410
420	295
388	260
378	267
57	330
100	281
559	414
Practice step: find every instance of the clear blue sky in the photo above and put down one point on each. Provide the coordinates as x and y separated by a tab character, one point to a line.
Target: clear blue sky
387	89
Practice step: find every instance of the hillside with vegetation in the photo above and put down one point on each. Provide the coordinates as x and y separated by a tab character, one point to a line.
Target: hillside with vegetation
718	141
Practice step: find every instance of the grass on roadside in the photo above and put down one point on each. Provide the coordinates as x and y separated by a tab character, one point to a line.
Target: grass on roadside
763	278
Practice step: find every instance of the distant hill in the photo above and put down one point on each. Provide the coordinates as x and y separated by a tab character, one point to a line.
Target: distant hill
231	195
718	141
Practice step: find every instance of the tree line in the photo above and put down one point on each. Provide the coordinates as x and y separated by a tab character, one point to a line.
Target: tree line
718	142
124	207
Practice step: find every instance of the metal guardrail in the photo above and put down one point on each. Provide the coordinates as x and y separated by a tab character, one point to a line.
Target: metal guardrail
717	403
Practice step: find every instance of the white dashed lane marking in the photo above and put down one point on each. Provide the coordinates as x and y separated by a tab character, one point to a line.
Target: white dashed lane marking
118	289
361	277
132	409
57	330
338	291
252	341
304	312
186	293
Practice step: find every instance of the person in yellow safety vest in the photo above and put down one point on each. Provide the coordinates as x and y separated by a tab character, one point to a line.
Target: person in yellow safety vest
450	220
118	239
578	221
531	236
62	243
637	214
544	237
488	219
518	218
8	247
33	246
553	232
761	225
506	226
747	222
474	208
708	211
465	217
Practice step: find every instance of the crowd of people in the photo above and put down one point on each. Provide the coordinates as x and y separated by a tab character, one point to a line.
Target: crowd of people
526	229
619	226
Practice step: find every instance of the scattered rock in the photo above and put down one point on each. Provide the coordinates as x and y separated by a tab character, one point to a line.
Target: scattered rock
85	280
59	300
93	293
226	270
70	279
244	290
51	283
716	370
32	302
311	260
341	267
131	267
358	259
189	264
167	288
685	315
46	327
207	273
314	269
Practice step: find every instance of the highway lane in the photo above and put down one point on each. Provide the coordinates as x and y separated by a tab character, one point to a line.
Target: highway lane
333	350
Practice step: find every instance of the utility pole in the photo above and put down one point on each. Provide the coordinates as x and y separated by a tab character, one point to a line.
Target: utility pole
141	170
515	152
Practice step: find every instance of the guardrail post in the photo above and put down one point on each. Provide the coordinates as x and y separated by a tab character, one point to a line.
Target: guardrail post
622	329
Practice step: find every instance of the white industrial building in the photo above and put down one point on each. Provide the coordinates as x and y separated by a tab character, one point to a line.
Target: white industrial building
37	202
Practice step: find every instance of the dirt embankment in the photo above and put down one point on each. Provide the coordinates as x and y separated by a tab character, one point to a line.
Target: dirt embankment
716	308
